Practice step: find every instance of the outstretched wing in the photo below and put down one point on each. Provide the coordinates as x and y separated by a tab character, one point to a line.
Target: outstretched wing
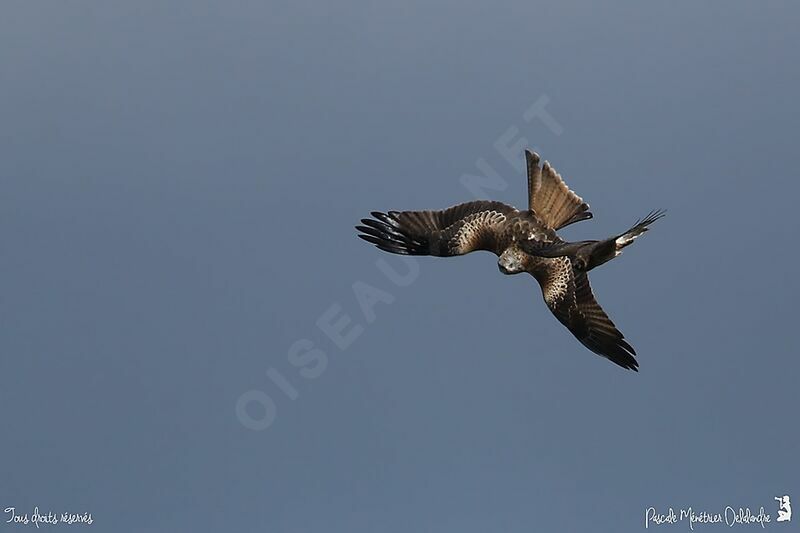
569	296
550	198
455	231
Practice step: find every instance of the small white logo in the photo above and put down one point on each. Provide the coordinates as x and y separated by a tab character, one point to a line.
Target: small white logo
784	509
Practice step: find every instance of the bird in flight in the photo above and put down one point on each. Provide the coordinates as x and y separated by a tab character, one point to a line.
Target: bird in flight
524	241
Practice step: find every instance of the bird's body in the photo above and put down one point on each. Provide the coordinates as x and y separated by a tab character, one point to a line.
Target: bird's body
525	241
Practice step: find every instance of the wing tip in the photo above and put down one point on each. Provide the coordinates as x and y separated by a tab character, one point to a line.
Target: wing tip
620	355
624	356
611	345
386	233
652	216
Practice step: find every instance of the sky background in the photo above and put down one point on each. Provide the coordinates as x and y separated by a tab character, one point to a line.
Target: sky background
179	183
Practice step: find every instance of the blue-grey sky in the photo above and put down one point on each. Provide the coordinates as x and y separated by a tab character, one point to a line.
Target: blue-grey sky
178	188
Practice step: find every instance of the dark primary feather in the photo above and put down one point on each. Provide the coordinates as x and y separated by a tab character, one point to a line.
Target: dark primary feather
641	225
386	233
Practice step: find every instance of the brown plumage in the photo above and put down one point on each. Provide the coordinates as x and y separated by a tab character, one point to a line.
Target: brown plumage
525	241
